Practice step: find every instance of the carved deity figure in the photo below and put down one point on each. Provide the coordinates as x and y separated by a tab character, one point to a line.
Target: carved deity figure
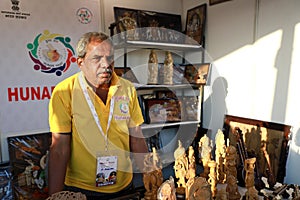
212	180
220	155
232	188
152	68
199	189
180	167
167	190
152	176
205	154
230	161
192	164
168	69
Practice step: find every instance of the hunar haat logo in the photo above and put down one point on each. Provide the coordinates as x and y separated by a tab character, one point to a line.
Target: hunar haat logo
51	53
84	15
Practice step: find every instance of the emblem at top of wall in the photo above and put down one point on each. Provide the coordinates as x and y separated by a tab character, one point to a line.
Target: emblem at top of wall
84	15
15	5
51	53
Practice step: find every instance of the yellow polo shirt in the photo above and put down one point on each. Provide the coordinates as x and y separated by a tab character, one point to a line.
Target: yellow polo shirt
69	112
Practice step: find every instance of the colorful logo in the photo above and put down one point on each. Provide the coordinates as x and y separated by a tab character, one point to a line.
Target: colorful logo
84	15
51	53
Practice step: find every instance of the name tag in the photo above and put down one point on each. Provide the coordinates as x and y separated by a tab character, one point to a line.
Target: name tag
106	170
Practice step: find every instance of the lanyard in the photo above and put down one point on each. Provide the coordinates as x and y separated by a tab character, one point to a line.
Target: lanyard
93	110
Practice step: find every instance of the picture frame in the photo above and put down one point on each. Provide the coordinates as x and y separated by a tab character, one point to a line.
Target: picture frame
157	26
160	27
196	73
126	73
28	155
190	105
162	110
126	22
214	2
196	22
259	135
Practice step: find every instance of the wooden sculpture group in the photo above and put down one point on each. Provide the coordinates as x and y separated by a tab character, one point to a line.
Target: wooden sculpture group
189	186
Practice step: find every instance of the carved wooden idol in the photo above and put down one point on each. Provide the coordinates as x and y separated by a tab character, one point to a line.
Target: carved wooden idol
167	190
220	155
212	180
205	154
180	167
152	68
199	189
168	69
152	176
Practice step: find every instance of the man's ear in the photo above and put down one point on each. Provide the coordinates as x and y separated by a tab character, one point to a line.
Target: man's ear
80	62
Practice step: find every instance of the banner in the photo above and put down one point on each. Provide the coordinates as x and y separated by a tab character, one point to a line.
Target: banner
38	39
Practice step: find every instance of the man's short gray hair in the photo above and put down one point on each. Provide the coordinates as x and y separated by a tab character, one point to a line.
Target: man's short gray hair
86	38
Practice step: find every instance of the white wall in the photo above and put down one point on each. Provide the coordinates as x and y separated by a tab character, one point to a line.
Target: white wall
254	45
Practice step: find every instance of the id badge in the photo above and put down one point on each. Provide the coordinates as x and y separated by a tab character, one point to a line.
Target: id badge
106	170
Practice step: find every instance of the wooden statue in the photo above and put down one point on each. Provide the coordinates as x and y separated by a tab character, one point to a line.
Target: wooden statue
232	188
180	167
220	155
192	164
168	69
152	176
152	68
167	190
199	189
222	194
205	154
230	161
252	193
212	180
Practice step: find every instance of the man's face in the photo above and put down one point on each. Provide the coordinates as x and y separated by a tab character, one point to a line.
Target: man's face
97	65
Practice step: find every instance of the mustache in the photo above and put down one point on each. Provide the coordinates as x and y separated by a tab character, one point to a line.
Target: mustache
106	70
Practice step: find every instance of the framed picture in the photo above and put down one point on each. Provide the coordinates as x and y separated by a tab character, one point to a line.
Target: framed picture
190	105
213	2
196	73
126	73
162	110
195	23
28	156
126	22
266	140
160	27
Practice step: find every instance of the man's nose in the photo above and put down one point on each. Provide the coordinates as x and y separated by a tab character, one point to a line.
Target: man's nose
104	62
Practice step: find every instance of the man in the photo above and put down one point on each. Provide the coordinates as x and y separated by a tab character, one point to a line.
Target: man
95	119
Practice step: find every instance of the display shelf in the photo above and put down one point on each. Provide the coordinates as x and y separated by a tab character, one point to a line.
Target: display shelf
168	124
156	45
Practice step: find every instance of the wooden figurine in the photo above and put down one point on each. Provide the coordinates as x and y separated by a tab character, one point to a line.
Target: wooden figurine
152	176
220	155
222	194
199	190
252	193
230	161
192	164
180	167
232	188
212	180
152	68
205	154
168	69
167	190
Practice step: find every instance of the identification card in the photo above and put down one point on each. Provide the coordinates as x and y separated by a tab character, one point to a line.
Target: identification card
106	170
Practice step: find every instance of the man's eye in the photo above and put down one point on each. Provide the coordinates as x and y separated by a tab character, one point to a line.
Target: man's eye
110	58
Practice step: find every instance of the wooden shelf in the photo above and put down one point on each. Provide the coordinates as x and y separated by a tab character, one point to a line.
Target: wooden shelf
168	124
156	45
